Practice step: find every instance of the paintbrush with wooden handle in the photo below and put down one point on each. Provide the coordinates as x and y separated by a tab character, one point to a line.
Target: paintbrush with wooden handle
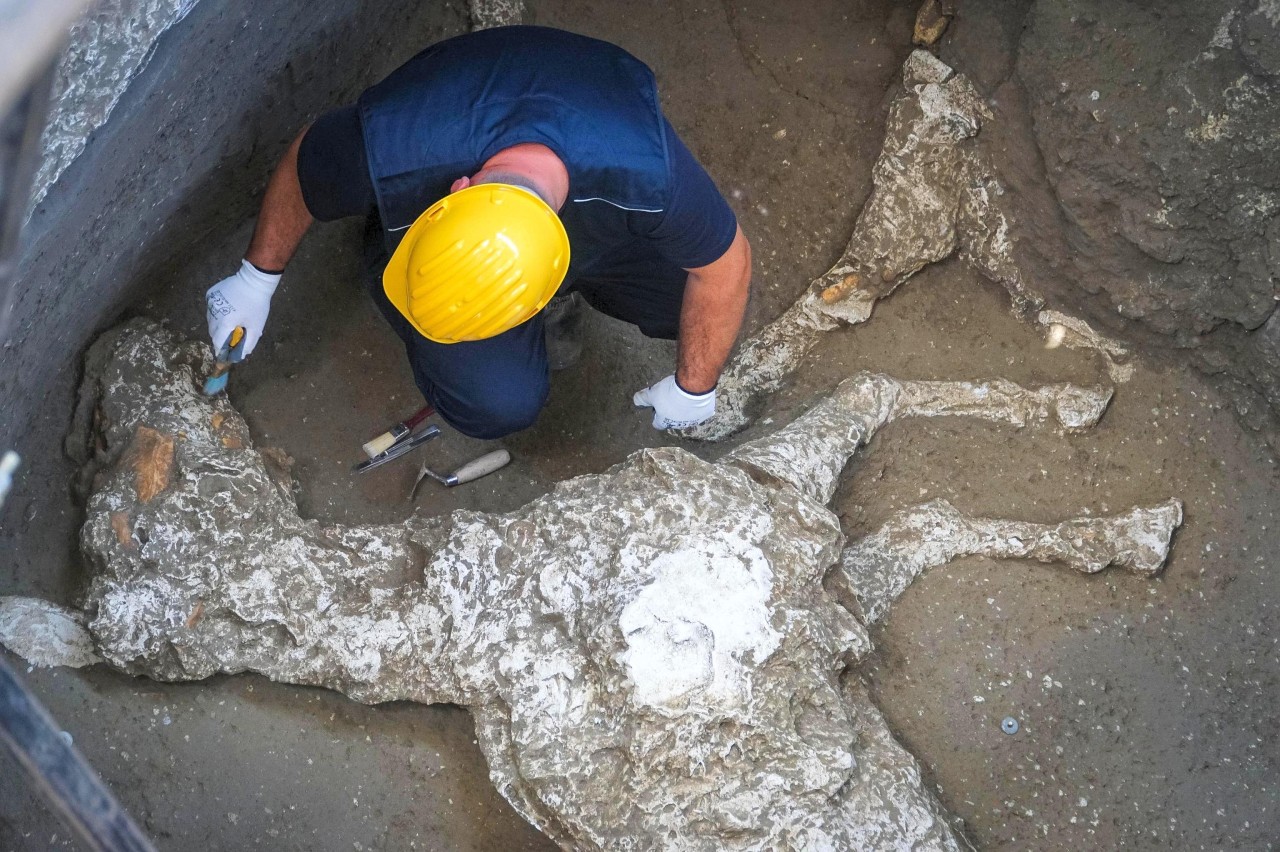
396	433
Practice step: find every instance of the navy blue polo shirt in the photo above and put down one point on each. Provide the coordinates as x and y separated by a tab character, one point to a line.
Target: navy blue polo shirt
690	225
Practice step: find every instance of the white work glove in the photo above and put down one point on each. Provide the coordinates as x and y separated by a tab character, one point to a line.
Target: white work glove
675	408
243	299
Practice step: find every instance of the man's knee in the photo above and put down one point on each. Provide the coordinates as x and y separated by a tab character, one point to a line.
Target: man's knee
487	388
496	411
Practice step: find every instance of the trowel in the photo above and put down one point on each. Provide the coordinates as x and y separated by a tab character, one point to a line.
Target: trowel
469	472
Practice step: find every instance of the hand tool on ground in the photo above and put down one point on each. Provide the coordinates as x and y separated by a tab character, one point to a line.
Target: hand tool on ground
399	449
232	352
397	433
469	472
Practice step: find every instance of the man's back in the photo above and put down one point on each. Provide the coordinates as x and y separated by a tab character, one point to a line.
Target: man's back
458	102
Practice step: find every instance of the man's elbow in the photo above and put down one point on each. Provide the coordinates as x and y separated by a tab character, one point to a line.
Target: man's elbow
729	273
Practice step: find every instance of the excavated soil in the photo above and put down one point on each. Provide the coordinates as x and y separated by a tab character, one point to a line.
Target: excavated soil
1146	707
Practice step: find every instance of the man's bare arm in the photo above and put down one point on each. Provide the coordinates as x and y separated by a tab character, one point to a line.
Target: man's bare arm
284	217
715	300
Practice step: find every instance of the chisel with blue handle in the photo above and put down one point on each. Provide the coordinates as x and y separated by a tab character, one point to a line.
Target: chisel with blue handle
232	352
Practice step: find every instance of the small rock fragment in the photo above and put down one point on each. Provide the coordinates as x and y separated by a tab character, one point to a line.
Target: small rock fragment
931	22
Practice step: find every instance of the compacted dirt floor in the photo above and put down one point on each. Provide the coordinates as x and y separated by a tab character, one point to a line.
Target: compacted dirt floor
1147	707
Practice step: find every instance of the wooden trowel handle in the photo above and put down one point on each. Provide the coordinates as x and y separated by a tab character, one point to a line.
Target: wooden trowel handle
476	468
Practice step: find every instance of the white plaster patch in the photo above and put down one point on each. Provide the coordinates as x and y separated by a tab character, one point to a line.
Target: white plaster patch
694	632
45	634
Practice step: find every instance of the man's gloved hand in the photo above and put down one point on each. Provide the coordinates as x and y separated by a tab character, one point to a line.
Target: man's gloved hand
243	299
674	407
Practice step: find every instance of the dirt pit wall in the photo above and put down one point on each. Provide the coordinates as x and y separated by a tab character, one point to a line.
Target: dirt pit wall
1139	145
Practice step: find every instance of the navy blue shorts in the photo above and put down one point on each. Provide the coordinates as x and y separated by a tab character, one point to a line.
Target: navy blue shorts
491	388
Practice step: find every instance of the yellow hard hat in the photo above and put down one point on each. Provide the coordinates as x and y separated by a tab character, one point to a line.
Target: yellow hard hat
478	262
